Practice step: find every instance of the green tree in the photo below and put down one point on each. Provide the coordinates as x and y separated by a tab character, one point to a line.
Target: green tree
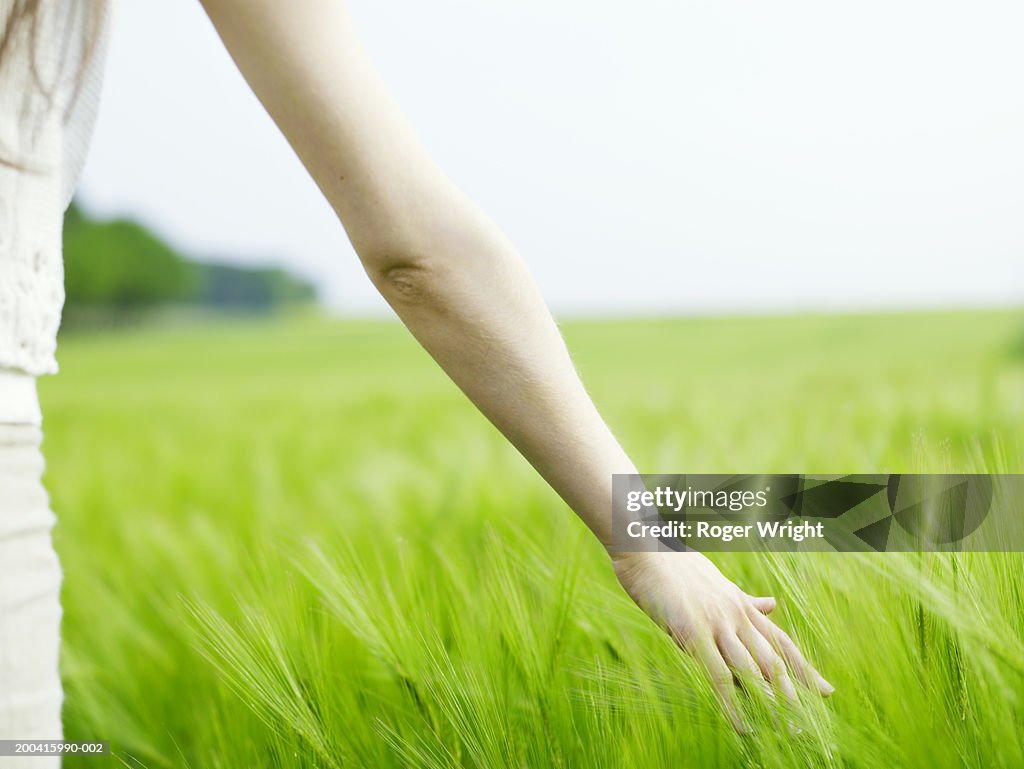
121	264
118	269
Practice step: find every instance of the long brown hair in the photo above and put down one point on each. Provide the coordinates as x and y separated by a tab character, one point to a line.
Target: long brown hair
27	14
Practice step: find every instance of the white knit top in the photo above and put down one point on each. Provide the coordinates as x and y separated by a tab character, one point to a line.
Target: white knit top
47	110
50	77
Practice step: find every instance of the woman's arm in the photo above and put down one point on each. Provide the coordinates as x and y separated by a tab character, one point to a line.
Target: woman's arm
465	294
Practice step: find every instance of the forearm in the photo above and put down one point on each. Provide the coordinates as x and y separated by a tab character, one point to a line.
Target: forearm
478	312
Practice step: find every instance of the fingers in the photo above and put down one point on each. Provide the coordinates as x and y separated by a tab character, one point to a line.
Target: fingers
768	661
802	669
707	654
743	666
764	605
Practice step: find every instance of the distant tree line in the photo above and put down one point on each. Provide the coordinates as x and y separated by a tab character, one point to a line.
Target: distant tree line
120	268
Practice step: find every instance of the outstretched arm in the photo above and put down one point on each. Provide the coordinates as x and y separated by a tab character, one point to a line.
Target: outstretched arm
465	294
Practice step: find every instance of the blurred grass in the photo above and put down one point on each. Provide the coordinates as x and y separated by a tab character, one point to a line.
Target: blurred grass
295	544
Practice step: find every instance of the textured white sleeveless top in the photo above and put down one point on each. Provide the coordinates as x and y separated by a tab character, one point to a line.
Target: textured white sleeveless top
50	78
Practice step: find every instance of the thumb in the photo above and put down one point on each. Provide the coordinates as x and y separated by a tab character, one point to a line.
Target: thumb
764	605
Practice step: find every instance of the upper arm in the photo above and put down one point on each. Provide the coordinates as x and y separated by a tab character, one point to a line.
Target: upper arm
305	63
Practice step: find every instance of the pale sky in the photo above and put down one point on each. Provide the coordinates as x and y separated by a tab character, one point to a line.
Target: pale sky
683	156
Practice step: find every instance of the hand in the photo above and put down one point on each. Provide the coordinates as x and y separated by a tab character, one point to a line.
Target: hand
723	627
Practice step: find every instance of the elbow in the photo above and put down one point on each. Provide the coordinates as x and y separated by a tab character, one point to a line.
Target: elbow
406	284
402	277
433	269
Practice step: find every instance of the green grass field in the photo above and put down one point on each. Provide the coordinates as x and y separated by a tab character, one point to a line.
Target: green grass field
295	544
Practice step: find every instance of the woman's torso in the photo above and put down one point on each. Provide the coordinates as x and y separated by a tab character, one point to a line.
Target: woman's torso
19	403
50	77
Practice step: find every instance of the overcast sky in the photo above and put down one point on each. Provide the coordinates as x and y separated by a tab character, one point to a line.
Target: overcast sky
659	156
